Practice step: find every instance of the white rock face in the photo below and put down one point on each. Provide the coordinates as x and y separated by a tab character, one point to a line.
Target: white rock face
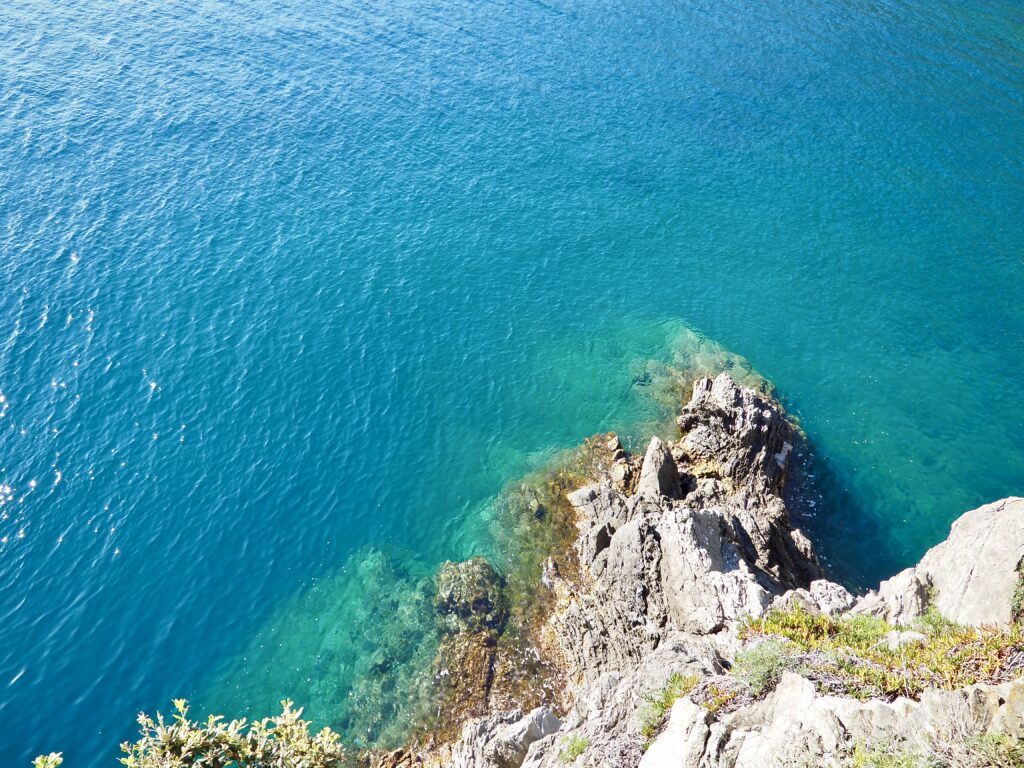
501	740
974	571
796	726
972	574
683	740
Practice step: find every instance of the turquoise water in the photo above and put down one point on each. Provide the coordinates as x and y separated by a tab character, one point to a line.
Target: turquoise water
291	290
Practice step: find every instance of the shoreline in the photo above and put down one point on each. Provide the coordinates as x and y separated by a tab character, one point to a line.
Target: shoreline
660	560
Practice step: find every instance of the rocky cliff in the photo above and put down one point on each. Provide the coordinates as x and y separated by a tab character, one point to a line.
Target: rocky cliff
691	624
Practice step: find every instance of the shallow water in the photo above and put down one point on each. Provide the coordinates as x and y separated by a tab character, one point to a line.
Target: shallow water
284	285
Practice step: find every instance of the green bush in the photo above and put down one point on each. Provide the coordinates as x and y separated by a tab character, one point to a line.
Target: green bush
659	703
887	757
760	666
181	743
848	653
1017	599
573	747
996	750
958	750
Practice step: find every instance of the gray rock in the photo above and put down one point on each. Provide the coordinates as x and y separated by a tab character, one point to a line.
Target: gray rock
898	600
683	740
470	596
500	741
659	475
825	597
971	575
797	726
974	571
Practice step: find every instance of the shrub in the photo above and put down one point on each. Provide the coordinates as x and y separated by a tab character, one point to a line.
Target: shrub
718	697
181	743
573	747
994	750
760	666
847	655
1017	599
887	757
659	703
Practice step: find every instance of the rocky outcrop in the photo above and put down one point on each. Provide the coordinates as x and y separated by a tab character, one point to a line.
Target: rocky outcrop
704	539
796	726
970	577
671	551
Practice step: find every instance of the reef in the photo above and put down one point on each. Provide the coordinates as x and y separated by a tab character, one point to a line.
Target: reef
666	609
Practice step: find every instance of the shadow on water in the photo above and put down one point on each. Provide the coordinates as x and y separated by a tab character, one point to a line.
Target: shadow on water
852	544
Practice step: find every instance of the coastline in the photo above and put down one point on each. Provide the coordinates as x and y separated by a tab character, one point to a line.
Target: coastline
634	571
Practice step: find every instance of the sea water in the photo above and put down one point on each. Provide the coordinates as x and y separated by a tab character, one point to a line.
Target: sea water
291	291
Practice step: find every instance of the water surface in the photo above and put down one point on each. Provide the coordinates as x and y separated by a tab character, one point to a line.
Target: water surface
286	285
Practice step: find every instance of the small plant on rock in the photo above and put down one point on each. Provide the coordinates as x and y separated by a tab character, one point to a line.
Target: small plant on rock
659	703
761	665
573	747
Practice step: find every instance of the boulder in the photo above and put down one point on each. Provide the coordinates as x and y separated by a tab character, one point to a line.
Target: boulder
470	596
683	740
975	570
659	475
971	576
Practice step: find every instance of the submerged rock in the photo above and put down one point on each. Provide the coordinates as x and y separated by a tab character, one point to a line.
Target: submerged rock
470	596
473	609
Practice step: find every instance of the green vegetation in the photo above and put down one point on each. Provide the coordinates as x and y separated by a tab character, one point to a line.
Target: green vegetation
659	704
994	750
1017	598
717	697
760	666
182	743
887	757
988	751
849	655
573	747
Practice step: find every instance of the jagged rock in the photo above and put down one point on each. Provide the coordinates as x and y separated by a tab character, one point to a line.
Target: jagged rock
795	725
656	564
498	741
704	576
971	576
824	597
898	600
975	570
683	740
735	433
659	475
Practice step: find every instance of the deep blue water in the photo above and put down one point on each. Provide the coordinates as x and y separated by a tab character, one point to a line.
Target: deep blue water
290	290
